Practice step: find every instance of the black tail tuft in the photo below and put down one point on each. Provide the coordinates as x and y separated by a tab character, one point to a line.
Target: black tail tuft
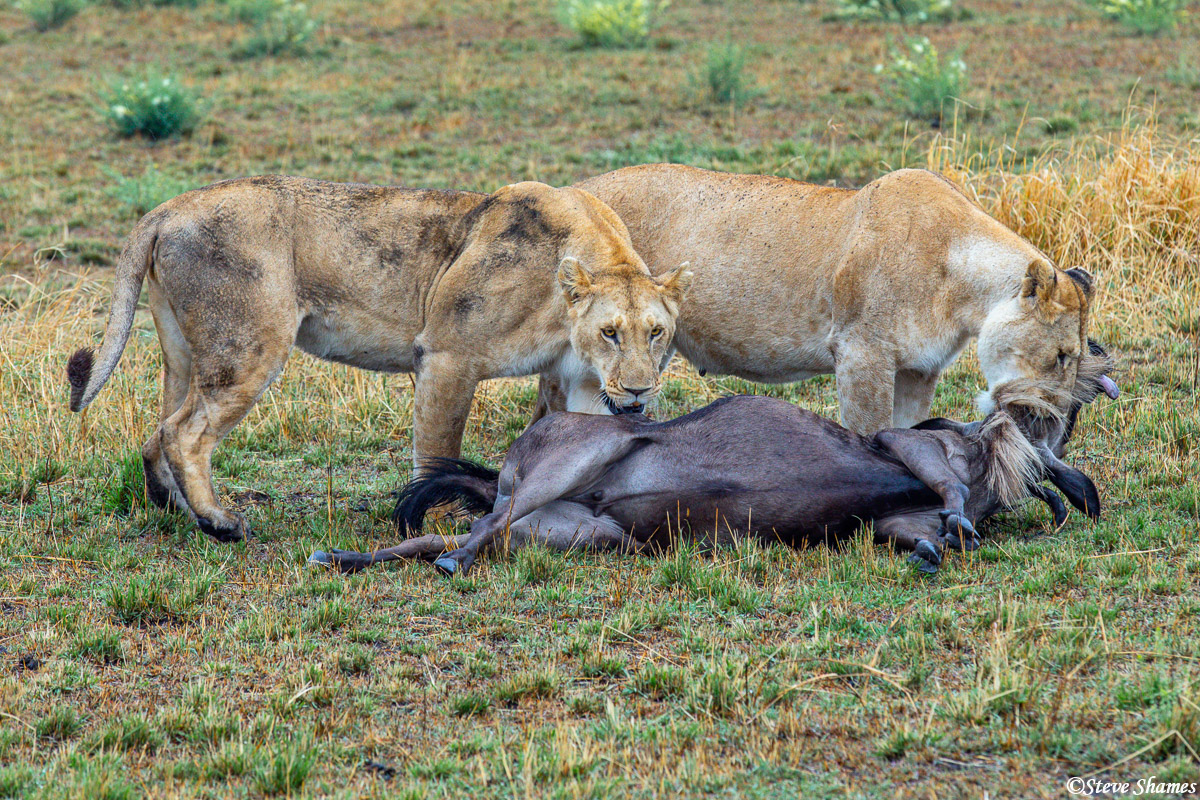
79	372
469	485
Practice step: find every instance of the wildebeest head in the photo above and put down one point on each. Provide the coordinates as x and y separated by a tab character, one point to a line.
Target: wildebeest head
1047	428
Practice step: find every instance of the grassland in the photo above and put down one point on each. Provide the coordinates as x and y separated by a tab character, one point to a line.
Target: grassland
140	658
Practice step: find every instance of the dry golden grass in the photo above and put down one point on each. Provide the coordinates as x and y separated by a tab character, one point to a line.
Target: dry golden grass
1124	206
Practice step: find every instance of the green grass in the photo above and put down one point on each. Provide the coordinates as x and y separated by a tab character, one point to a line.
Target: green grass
165	664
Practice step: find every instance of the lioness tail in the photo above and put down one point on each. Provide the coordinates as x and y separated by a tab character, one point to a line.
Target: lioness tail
469	485
131	271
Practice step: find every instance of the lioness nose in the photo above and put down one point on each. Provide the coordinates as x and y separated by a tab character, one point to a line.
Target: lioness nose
638	391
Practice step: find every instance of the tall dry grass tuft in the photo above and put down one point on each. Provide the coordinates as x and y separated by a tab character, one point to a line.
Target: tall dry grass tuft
1125	206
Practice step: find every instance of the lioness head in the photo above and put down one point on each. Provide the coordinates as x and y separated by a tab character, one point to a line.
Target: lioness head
1039	337
622	320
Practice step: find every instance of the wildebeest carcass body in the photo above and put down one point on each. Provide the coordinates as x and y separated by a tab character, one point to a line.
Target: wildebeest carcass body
752	466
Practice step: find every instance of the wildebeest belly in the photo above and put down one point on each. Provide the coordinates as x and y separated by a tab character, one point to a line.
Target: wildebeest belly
806	500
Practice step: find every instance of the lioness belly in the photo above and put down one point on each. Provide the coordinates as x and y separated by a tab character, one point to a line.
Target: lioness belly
759	357
364	343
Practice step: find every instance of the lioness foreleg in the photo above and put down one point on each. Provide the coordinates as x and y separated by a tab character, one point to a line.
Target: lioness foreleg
913	397
441	404
866	379
551	397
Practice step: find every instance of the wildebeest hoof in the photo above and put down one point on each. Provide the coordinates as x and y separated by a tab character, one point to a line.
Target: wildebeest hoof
454	562
344	561
957	525
926	557
223	533
966	545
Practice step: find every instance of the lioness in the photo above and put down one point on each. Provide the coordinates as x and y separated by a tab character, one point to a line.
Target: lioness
882	286
457	287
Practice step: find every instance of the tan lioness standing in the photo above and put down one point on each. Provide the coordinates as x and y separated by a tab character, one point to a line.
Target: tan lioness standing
882	286
457	287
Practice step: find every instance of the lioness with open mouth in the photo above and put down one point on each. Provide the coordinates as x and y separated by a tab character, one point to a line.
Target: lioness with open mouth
882	286
457	287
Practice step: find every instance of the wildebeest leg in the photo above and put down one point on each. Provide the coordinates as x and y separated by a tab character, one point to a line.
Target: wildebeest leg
1050	498
561	525
925	457
554	474
565	525
1077	486
918	533
425	547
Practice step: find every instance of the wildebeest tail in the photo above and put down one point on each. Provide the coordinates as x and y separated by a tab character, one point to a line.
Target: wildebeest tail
466	484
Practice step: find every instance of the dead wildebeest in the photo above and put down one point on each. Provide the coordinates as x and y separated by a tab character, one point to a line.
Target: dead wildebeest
754	466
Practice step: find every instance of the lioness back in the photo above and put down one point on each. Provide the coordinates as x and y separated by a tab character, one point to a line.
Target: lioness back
455	287
882	285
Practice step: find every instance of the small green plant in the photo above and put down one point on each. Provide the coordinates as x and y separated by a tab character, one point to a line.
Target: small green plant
1147	17
140	601
128	4
660	682
50	14
923	82
329	615
534	683
139	194
131	733
149	599
538	564
723	77
278	27
356	661
897	10
608	23
156	107
15	780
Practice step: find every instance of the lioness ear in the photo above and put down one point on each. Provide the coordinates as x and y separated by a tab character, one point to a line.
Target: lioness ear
576	282
1083	278
1039	284
676	283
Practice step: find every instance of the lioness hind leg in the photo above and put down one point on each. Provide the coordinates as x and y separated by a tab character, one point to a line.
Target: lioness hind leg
220	394
551	397
177	372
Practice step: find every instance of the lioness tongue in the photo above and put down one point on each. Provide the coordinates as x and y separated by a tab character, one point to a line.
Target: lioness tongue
1110	387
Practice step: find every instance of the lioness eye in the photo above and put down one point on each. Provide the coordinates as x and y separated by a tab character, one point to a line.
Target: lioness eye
656	331
609	332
